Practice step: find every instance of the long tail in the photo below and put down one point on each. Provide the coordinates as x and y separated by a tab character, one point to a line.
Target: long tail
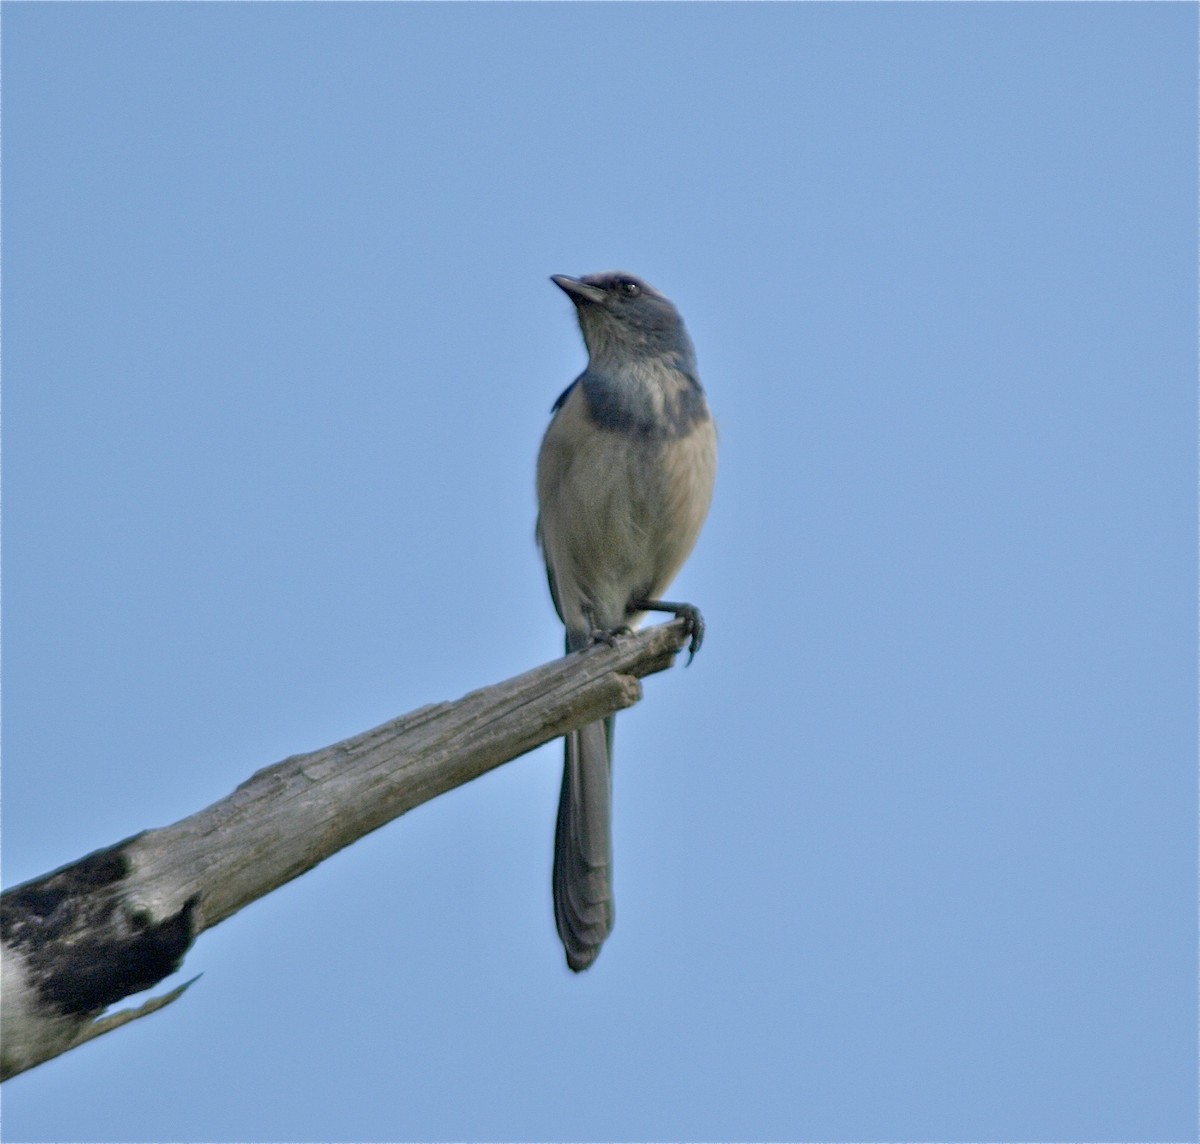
583	900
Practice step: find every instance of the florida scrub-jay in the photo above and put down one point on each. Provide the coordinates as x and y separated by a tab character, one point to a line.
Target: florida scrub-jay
624	479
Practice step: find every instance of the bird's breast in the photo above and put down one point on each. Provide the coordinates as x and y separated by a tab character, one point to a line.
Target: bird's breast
619	510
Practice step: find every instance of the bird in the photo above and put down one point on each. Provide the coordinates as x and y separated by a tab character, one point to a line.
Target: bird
625	477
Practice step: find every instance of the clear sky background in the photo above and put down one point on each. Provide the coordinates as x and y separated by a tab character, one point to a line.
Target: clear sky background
909	853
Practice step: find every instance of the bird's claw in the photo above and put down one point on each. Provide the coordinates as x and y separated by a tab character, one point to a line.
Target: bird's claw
693	621
693	626
608	636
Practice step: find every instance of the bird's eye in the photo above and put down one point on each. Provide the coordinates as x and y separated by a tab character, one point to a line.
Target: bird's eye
629	288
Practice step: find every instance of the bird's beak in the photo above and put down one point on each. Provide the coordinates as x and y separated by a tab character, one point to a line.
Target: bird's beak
576	290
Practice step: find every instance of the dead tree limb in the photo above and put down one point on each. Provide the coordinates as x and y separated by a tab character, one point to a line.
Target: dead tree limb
120	920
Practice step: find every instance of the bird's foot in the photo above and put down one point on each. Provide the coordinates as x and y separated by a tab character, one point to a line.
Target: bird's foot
688	613
608	636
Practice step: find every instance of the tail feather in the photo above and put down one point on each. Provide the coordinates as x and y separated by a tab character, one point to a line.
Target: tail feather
583	900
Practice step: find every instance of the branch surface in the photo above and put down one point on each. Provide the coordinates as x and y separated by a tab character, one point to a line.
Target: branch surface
118	921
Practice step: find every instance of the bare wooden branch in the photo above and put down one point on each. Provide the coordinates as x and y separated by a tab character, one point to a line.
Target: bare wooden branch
118	921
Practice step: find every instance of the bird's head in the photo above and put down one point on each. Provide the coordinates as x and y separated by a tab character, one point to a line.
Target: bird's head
622	315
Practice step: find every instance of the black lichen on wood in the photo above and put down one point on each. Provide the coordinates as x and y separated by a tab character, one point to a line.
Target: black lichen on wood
83	946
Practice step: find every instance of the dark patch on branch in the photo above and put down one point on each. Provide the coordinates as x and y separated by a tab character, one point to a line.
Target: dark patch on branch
82	944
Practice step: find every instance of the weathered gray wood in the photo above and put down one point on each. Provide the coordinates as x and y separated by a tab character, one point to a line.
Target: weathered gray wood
117	921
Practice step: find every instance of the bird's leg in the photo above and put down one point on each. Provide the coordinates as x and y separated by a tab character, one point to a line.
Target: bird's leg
689	613
604	635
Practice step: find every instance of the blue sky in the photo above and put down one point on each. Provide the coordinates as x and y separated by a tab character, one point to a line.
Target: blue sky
909	853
